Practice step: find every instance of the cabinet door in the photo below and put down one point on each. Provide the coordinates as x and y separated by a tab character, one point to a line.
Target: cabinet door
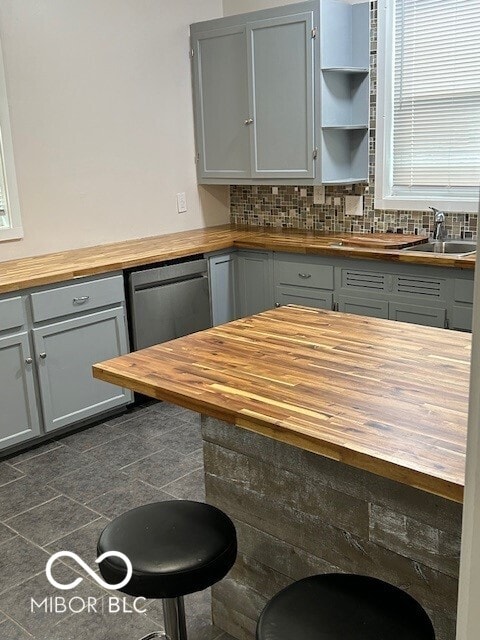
461	317
220	87
222	288
363	306
280	53
65	353
306	297
429	316
255	282
19	419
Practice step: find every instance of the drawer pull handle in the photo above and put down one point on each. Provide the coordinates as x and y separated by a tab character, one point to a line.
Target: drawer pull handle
81	300
305	275
43	355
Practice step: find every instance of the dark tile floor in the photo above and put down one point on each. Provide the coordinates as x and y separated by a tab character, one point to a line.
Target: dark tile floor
61	495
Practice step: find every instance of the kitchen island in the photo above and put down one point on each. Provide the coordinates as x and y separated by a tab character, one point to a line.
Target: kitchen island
350	454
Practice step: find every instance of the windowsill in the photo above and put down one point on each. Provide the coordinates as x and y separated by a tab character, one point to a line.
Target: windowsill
12	233
396	203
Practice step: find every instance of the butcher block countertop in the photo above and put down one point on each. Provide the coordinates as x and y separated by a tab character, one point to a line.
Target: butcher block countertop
387	397
16	275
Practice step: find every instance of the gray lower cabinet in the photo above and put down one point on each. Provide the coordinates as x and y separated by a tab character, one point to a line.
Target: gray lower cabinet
363	306
461	312
303	296
429	316
222	278
65	352
399	292
303	280
49	339
255	282
425	295
19	420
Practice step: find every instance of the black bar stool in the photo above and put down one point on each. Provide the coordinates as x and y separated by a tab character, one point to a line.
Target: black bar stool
343	607
175	548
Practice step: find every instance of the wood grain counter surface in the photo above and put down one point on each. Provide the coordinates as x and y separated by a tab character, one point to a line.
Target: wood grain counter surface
16	275
387	397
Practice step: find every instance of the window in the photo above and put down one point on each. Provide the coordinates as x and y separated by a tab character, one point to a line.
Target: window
10	222
428	105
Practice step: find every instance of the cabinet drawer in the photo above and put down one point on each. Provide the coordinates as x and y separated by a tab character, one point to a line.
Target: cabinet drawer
75	298
463	290
11	313
302	273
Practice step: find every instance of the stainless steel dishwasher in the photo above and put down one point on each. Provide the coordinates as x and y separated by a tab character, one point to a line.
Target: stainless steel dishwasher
168	302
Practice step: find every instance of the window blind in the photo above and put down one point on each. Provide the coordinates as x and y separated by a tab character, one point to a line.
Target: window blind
436	97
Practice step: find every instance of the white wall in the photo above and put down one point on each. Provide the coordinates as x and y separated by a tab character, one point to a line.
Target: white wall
101	114
232	7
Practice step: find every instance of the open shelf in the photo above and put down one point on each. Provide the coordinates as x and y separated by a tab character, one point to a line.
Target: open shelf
344	155
359	70
345	99
347	127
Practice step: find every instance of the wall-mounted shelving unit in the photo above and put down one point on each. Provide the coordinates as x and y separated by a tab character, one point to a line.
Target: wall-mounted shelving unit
345	89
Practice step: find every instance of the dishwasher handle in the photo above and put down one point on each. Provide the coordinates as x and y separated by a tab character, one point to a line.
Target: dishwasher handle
164	283
167	273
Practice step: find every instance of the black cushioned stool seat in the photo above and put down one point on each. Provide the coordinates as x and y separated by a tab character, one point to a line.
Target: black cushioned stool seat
176	547
343	607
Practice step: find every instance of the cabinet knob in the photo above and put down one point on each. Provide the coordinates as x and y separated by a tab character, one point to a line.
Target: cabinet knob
28	360
43	355
277	304
249	121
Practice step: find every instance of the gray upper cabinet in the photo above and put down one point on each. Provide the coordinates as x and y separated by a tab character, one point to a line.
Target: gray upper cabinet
221	106
259	82
280	55
19	420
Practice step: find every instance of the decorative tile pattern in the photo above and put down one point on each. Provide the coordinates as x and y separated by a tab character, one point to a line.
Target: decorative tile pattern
292	207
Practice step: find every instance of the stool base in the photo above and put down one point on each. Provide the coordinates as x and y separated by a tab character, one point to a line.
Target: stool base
174	618
174	621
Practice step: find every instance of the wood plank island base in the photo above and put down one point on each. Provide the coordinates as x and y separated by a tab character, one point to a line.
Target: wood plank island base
351	456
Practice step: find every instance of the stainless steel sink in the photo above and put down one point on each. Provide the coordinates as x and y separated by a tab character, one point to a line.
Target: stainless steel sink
458	247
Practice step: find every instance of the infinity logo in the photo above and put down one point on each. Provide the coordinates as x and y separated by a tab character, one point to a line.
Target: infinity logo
91	573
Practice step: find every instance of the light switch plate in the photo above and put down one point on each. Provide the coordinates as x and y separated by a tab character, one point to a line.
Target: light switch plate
354	205
181	202
318	195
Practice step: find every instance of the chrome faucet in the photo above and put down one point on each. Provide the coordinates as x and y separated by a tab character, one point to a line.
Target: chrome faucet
440	232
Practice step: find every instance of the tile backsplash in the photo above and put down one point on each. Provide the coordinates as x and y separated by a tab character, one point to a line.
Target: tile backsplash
293	207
